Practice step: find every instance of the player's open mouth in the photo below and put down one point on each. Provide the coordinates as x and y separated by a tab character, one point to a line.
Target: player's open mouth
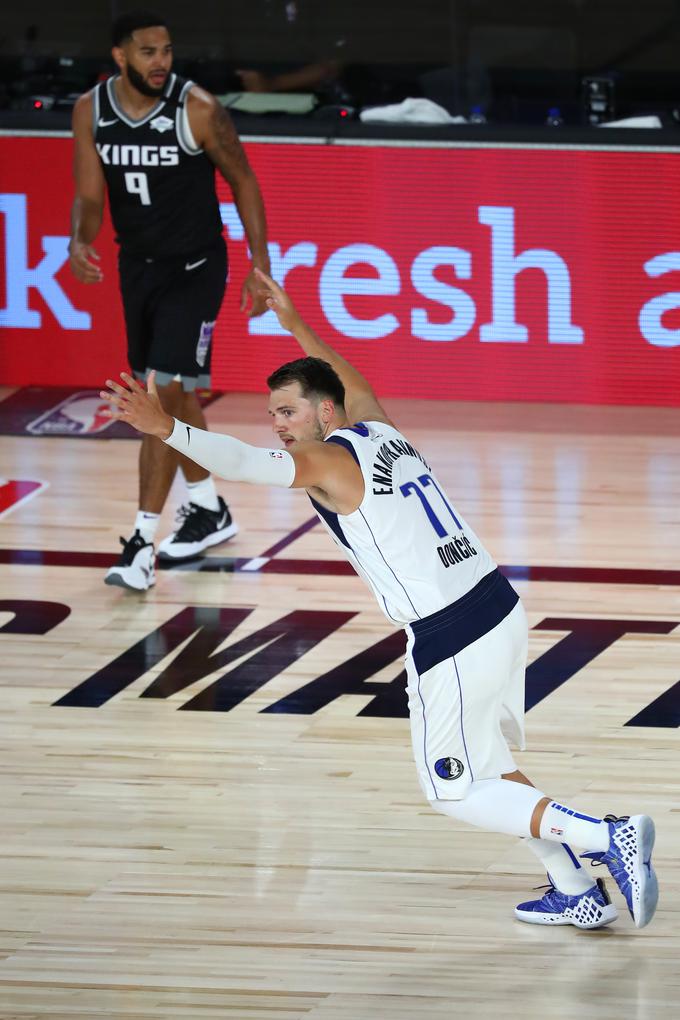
158	79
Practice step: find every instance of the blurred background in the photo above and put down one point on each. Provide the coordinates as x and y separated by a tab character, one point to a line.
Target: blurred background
510	61
505	246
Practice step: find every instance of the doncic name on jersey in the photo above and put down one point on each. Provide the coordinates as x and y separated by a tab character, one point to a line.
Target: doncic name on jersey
113	154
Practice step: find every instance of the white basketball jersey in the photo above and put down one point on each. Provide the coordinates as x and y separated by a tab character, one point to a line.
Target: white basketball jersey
406	539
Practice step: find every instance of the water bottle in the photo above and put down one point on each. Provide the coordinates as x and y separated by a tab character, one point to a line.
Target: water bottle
554	118
477	115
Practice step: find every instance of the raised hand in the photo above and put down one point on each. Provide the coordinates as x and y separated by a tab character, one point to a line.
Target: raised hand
276	298
138	406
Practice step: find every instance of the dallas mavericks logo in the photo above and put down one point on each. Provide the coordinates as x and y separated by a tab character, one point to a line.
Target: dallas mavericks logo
449	768
204	340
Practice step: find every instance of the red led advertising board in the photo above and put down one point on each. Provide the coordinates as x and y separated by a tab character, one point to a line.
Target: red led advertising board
487	273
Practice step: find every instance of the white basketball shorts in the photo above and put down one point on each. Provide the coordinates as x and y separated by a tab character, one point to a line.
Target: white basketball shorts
466	702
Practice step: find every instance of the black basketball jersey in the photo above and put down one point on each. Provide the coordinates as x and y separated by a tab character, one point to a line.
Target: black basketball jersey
161	184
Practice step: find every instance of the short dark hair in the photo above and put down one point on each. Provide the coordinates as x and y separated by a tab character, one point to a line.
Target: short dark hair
126	24
316	378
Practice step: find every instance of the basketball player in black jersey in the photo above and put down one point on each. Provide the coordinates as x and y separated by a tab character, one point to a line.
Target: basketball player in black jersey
152	140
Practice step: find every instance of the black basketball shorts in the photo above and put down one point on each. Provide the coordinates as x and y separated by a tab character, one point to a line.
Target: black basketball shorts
170	307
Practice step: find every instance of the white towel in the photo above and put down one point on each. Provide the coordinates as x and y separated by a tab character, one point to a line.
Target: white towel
636	122
411	111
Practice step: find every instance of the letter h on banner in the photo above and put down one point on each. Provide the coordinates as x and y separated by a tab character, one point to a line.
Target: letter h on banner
505	266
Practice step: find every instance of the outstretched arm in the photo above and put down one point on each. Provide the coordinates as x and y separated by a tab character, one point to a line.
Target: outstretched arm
307	465
361	403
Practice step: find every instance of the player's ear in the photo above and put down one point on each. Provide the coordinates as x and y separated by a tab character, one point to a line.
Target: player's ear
327	408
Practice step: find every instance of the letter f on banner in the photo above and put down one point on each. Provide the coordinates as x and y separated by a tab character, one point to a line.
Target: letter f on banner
20	278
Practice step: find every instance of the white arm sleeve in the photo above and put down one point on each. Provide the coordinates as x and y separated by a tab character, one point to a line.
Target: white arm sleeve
230	458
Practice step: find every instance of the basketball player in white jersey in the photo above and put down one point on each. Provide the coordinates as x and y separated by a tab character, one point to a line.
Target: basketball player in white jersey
465	625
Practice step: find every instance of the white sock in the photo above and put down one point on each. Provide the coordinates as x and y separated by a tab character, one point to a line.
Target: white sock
563	867
204	493
498	805
561	824
147	524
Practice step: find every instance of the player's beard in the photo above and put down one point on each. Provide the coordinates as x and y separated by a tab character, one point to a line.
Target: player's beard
138	82
318	432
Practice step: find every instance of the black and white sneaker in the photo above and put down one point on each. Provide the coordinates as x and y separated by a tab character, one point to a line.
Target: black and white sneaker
199	530
135	568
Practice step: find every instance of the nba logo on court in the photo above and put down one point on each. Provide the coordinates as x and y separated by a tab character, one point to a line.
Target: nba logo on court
79	415
449	768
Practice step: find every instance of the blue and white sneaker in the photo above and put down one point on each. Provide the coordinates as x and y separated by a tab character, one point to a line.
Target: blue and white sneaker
629	859
592	909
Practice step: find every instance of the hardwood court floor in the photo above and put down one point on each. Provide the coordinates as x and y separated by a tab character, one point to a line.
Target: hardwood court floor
267	851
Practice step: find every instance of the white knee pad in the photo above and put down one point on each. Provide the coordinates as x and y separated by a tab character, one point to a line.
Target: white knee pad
497	805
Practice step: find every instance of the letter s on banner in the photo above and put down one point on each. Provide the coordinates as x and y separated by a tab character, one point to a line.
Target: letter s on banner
427	284
651	313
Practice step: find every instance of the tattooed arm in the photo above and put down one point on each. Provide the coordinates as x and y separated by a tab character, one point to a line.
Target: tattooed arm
214	131
88	202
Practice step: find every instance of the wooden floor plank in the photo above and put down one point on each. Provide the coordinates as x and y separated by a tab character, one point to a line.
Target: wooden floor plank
161	863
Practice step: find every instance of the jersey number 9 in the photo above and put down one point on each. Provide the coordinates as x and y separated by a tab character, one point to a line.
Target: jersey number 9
137	184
